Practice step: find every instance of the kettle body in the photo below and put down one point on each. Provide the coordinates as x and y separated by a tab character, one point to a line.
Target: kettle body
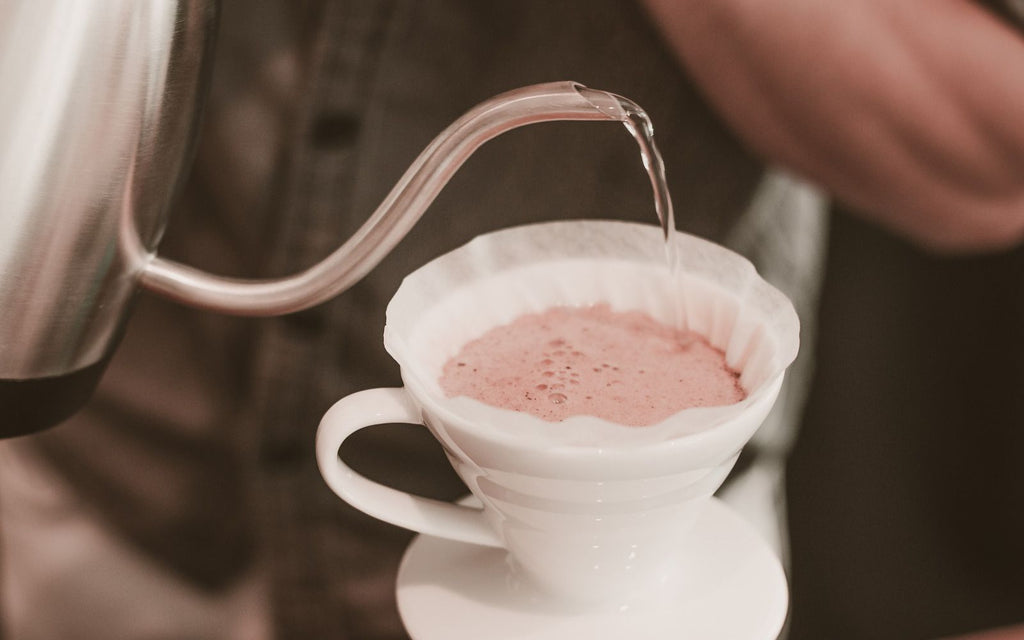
99	114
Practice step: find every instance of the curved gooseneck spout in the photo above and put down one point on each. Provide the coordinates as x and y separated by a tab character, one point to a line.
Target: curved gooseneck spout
397	213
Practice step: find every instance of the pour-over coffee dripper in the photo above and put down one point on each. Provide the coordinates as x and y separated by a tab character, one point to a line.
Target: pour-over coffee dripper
80	217
592	520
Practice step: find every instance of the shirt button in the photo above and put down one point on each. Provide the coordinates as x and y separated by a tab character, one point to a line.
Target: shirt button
334	130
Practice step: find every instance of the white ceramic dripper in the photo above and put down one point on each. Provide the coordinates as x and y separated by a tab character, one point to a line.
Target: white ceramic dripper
589	510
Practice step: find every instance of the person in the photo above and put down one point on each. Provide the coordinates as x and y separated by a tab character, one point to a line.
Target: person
211	478
185	501
903	490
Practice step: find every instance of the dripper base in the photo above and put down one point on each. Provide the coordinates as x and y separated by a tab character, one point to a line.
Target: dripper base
735	589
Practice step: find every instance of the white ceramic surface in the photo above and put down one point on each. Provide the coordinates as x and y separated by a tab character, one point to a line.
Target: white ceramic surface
734	589
587	508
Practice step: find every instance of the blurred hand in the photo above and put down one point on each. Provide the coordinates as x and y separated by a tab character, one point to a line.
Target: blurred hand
908	110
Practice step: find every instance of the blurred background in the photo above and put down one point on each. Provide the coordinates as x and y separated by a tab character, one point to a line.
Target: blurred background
184	501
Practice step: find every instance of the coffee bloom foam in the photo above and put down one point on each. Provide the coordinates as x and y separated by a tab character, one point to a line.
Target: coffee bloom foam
624	367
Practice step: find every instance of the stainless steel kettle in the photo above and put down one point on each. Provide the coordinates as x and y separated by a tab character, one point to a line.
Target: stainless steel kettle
98	107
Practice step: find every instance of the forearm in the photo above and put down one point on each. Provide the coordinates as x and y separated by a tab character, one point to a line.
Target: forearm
912	111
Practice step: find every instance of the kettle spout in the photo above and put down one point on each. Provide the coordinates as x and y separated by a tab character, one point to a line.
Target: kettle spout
396	215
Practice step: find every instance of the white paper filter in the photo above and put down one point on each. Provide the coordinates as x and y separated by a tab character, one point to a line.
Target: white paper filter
499	276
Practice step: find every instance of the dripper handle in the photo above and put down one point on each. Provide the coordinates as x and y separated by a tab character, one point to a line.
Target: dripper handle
393	219
416	513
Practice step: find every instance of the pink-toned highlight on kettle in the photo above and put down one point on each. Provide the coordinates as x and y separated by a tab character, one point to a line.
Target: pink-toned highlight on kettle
624	367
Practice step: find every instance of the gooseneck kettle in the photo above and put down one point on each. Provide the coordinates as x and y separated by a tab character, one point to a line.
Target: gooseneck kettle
99	101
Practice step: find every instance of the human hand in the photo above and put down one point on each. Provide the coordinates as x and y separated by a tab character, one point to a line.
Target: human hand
907	111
